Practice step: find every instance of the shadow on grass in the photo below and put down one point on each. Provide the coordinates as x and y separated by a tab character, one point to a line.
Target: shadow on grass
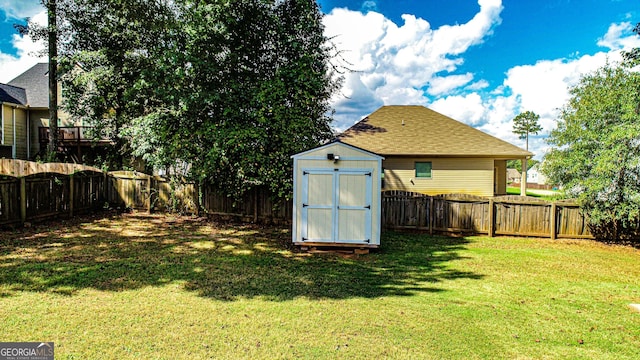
219	261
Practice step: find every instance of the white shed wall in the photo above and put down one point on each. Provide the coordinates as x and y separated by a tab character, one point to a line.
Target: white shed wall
317	188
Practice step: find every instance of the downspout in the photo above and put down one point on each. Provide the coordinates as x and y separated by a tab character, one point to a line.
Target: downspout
13	120
2	123
28	133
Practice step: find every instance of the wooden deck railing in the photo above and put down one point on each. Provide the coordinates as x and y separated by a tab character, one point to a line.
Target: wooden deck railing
70	135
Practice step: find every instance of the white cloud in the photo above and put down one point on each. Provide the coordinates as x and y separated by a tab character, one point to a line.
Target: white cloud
544	89
619	37
444	85
397	64
469	107
409	63
27	53
20	9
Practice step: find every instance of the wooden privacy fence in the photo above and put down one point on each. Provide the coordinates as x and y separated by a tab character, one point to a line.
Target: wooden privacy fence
48	195
31	191
256	206
148	192
504	215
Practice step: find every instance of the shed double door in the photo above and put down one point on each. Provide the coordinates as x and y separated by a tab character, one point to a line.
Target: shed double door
336	206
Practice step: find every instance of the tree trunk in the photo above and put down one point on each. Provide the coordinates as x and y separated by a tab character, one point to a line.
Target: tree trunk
53	79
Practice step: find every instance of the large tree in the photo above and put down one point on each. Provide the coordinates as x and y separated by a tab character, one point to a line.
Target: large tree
103	48
113	44
50	34
226	90
595	155
525	124
246	86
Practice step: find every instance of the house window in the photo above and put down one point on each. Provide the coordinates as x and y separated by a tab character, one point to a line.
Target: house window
423	169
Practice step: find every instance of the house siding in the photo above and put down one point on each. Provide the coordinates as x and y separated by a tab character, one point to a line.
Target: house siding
449	175
14	130
7	125
38	118
21	134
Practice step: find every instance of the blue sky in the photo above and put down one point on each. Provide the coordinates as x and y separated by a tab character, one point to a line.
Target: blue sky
479	61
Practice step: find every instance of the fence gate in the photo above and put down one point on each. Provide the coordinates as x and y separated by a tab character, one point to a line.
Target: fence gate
336	205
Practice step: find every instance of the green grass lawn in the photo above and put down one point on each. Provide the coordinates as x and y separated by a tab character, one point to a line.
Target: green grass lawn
531	192
163	287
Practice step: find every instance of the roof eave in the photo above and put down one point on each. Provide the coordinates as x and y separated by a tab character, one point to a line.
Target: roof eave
500	156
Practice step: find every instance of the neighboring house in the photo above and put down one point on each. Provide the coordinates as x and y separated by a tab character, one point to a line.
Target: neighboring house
534	176
25	119
14	135
430	153
513	176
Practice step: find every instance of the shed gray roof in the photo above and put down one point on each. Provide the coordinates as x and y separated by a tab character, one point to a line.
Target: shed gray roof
13	94
36	83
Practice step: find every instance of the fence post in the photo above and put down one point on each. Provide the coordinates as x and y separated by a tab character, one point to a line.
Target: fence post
431	215
197	195
106	187
492	220
552	225
255	205
149	194
23	199
71	195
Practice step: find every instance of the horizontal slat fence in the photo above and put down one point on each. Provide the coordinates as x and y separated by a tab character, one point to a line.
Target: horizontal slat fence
505	215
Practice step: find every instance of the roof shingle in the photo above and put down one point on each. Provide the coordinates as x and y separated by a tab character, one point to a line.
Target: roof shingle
409	130
36	82
13	94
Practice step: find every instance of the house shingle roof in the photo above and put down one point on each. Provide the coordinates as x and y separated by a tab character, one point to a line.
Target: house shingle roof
36	83
408	130
513	174
13	94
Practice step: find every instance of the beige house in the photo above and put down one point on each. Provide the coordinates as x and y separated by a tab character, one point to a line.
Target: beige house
431	153
513	175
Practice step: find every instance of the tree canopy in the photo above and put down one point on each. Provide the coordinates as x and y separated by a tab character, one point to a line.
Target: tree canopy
227	90
517	164
595	155
246	86
526	123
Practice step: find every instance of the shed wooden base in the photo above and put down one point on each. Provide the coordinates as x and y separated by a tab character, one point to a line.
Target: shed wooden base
358	249
341	245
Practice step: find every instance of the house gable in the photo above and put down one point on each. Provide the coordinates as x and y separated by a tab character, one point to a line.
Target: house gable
337	148
35	81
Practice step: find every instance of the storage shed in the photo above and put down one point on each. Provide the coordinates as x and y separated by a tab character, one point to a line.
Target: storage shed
336	196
